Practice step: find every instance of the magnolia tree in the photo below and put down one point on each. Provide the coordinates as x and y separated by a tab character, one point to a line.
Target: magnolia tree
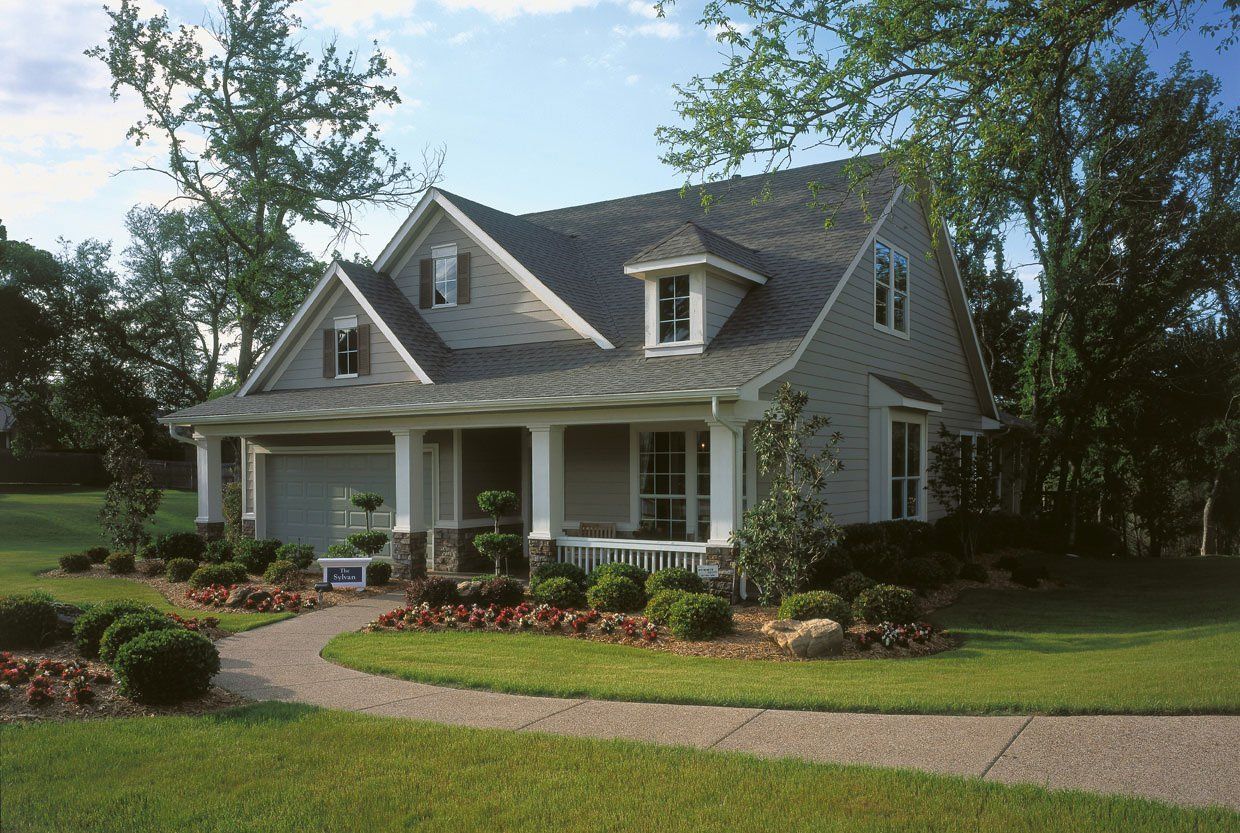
495	545
962	480
790	530
372	540
131	498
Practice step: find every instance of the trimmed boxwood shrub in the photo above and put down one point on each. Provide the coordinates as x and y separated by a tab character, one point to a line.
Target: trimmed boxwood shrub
660	604
89	627
127	627
255	553
558	591
974	571
699	616
166	666
615	568
75	562
300	554
850	585
921	573
378	573
98	554
27	620
209	574
557	569
674	578
500	591
886	603
119	563
615	592
180	569
435	591
218	551
180	545
816	604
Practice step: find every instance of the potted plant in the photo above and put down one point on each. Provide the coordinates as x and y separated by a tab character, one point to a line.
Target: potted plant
496	545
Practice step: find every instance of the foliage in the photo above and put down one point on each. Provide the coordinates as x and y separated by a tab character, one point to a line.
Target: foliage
75	562
618	568
255	553
962	479
816	604
166	666
790	530
660	605
120	563
227	573
615	592
674	578
431	590
379	573
696	616
281	572
558	591
369	542
850	585
131	499
974	571
180	545
90	626
557	569
501	591
127	627
27	620
180	569
219	551
885	603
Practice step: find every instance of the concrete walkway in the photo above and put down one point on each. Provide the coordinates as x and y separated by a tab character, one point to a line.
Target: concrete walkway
1192	760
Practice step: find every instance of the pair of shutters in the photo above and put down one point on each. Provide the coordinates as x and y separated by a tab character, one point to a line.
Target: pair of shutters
363	351
426	293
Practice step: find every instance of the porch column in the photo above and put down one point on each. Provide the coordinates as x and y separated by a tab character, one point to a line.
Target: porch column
409	529
210	520
547	491
726	488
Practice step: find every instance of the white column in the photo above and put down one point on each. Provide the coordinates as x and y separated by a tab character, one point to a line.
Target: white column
259	509
546	481
409	462
725	482
210	496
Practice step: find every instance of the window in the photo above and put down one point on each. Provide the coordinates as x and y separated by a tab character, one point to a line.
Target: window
674	309
346	347
444	264
890	288
703	485
905	469
661	484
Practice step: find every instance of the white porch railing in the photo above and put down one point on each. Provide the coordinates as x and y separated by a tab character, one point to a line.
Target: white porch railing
589	553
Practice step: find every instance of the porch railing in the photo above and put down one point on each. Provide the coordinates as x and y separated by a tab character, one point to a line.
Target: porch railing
590	553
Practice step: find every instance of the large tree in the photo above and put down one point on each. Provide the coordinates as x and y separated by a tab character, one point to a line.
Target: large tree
260	134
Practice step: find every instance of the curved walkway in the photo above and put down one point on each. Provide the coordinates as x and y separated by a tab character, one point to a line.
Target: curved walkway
1192	760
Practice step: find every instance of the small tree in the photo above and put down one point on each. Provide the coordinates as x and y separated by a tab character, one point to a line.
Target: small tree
496	545
131	498
372	540
962	480
790	530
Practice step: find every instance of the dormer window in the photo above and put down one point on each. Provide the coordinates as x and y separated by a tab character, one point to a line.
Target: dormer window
444	260
346	347
674	309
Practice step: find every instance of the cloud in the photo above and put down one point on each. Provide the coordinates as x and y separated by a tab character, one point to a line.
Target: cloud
662	29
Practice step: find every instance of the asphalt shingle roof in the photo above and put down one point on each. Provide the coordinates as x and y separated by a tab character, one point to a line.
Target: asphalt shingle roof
692	239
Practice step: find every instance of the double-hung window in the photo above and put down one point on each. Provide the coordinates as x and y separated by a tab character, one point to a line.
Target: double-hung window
346	347
906	442
673	309
443	259
890	289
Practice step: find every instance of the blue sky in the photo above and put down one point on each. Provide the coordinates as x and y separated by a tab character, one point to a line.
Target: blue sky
539	103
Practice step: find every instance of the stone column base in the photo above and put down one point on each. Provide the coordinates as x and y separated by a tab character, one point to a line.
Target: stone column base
726	584
248	528
409	554
210	530
542	551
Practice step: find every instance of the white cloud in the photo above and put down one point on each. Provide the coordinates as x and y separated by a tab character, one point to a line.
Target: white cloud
462	37
663	29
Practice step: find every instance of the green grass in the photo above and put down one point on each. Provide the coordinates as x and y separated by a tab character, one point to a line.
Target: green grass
36	528
1144	637
279	767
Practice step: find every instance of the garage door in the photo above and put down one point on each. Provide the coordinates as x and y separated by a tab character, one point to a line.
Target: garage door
308	496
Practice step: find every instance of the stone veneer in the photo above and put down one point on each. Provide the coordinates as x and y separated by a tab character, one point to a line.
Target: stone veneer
210	530
404	545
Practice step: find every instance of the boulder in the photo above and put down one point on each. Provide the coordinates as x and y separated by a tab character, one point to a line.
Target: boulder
238	595
809	639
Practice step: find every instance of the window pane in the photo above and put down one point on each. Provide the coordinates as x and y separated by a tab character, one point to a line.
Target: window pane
914	448
901	272
897	449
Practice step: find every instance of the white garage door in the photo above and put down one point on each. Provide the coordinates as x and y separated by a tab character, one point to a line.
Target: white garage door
308	496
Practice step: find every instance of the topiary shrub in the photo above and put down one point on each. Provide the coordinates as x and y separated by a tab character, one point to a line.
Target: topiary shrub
816	604
616	568
127	627
302	555
75	562
180	545
674	578
120	563
281	572
166	666
885	603
660	605
180	569
697	616
501	591
98	554
615	592
89	627
850	585
974	571
379	573
27	620
558	569
432	590
219	551
209	574
921	573
558	591
255	554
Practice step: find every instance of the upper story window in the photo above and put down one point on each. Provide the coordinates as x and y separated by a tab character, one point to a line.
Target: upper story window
674	309
890	289
443	259
346	347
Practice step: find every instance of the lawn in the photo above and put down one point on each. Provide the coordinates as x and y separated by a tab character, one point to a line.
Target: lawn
277	767
1134	637
36	528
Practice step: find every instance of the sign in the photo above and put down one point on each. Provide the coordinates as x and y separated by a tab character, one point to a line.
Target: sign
708	570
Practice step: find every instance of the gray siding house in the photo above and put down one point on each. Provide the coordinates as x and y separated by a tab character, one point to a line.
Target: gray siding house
606	362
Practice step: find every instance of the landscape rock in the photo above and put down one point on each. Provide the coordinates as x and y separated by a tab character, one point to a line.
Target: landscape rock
809	639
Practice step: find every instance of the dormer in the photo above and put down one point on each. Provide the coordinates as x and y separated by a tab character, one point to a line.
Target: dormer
694	280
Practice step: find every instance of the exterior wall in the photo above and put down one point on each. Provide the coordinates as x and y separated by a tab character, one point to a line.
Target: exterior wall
596	474
835	368
490	459
501	310
722	296
306	368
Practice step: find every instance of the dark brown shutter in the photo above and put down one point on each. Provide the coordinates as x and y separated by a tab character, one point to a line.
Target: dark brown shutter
462	278
329	354
426	297
363	349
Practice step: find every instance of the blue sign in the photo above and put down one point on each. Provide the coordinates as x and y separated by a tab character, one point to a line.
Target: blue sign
346	575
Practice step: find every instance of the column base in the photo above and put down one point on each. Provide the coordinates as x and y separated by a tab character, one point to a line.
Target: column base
404	547
542	551
210	530
726	584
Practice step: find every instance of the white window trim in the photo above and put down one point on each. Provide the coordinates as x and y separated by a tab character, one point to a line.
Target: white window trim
880	461
697	314
345	322
443	252
908	296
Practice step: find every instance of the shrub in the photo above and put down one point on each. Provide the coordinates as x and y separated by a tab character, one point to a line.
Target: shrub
27	620
885	603
558	591
850	585
1029	575
218	552
75	562
180	569
127	627
921	573
89	627
674	578
97	554
615	568
557	569
974	571
119	563
660	605
255	554
180	545
378	573
166	666
432	590
301	555
501	591
699	616
878	560
816	604
615	592
209	574
281	572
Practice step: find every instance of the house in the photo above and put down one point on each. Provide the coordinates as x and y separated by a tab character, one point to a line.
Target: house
606	362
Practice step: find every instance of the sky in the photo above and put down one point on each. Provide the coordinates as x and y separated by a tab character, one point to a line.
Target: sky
538	104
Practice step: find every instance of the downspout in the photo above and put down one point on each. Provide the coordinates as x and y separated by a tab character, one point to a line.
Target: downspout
743	583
